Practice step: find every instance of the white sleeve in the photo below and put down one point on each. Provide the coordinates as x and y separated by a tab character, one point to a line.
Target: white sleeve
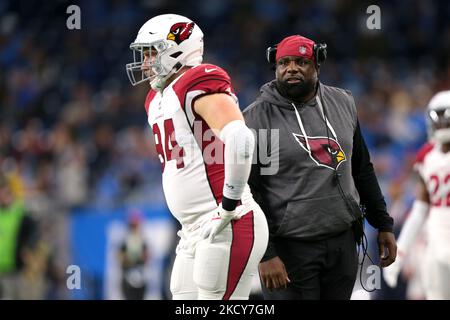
412	225
239	144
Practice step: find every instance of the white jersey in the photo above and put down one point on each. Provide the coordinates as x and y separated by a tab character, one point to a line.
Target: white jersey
434	168
191	154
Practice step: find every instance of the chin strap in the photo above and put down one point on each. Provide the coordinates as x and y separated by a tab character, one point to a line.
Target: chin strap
159	83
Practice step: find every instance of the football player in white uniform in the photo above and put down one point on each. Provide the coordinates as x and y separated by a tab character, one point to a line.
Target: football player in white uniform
206	151
432	203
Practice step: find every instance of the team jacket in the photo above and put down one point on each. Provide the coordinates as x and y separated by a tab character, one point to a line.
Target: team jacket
294	177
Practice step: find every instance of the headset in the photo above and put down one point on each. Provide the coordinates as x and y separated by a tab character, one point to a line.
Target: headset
319	52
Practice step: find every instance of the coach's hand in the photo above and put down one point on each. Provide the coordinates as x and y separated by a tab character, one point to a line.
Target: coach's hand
386	241
273	274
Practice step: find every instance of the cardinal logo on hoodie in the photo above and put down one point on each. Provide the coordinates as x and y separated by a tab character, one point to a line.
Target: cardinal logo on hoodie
323	151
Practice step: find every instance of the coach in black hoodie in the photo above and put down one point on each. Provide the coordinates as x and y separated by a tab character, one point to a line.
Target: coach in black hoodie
316	175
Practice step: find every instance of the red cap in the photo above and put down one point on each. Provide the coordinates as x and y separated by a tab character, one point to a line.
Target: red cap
296	46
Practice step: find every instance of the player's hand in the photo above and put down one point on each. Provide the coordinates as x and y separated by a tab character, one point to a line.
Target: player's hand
386	241
273	274
220	219
390	274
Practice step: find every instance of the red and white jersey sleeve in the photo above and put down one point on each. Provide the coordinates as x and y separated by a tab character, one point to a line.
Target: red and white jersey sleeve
199	81
433	165
191	154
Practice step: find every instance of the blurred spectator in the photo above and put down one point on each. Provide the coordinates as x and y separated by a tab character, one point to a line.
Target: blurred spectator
17	236
133	256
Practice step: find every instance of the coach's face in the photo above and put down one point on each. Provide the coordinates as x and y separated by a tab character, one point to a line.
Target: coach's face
296	77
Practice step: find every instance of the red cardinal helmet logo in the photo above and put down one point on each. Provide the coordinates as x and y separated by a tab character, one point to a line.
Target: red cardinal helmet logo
180	31
324	151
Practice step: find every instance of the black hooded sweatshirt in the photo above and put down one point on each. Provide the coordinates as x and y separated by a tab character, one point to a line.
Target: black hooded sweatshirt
312	168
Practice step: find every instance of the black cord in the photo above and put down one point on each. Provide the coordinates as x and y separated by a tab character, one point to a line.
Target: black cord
364	241
364	244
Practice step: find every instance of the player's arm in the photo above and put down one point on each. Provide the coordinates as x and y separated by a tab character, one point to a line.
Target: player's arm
410	230
218	110
422	192
221	113
415	220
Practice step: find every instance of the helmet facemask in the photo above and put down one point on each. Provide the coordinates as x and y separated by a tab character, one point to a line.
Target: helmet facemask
152	69
439	121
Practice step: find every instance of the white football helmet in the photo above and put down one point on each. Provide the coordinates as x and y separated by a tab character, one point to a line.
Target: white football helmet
174	41
439	116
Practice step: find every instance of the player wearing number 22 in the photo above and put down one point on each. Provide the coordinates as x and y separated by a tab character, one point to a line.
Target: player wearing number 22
206	151
432	203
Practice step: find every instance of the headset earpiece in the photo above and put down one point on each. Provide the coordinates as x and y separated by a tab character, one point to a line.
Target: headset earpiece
320	53
271	54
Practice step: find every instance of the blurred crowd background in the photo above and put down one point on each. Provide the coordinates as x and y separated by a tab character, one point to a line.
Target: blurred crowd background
74	140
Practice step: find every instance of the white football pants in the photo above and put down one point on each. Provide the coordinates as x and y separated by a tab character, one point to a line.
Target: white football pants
437	274
224	268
